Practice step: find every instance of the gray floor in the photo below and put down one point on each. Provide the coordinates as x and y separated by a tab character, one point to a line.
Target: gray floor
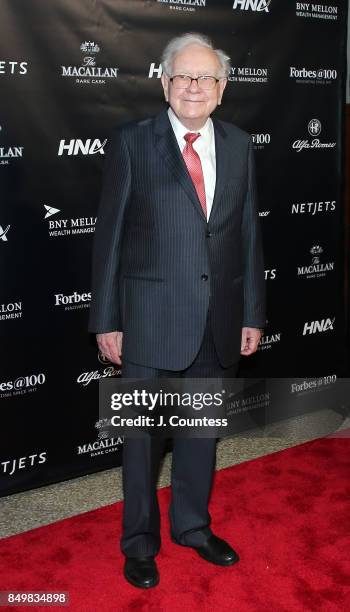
24	511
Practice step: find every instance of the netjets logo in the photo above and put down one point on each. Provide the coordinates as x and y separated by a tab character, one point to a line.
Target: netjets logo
270	274
81	147
314	128
315	269
13	67
88	73
252	5
318	326
3	233
313	208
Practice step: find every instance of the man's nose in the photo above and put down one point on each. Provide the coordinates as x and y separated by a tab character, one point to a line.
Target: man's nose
194	86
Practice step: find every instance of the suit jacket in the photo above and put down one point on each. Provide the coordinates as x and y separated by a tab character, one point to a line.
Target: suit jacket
157	261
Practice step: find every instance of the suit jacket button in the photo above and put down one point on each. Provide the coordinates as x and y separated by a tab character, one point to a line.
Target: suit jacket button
209	234
204	277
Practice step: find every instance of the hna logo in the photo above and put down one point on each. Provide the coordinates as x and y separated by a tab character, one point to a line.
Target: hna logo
318	326
76	146
252	5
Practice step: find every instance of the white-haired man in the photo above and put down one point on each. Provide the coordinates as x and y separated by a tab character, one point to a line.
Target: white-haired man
177	283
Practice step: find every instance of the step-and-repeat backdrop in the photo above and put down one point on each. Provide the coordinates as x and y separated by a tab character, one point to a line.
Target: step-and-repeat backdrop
70	72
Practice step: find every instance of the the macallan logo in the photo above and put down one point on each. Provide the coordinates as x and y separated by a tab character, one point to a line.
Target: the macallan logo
315	269
188	6
318	326
88	73
268	340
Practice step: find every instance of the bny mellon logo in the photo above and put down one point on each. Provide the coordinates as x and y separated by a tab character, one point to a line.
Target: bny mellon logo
50	210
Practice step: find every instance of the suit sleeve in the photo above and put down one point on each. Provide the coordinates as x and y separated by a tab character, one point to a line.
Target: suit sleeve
105	313
254	314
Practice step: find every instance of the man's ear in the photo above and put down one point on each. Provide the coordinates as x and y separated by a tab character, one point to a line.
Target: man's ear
165	83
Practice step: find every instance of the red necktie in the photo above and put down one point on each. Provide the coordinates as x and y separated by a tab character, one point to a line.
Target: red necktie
194	167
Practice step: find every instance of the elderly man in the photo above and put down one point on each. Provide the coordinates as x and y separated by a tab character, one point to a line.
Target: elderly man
178	283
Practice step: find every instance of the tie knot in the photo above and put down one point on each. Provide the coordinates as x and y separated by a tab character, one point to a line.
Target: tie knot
191	137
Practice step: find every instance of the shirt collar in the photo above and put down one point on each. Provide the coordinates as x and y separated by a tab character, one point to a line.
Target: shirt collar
180	130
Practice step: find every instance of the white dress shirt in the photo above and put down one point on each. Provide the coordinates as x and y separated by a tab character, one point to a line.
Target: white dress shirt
205	147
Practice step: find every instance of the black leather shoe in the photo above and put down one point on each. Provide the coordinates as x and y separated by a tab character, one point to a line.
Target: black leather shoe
141	572
217	551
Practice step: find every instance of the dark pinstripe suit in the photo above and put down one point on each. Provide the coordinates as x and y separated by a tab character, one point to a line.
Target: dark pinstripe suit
158	263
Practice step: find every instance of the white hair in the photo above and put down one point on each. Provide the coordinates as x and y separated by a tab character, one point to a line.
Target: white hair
192	38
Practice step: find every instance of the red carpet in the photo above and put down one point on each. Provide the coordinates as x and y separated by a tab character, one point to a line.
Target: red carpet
287	514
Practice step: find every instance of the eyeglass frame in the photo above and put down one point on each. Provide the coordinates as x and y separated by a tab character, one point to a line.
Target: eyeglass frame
197	79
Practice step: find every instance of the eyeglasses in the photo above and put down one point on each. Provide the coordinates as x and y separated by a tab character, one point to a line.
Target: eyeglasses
183	81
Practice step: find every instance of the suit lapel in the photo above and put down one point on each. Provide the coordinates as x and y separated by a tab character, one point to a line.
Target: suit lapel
168	148
222	165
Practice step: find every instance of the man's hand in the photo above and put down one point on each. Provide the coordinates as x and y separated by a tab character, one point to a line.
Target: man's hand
110	345
250	340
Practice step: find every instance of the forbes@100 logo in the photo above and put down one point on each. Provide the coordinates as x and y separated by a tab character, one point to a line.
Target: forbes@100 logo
74	301
319	76
21	385
261	140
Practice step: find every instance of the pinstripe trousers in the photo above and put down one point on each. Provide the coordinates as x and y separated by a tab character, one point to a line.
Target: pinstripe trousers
193	464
